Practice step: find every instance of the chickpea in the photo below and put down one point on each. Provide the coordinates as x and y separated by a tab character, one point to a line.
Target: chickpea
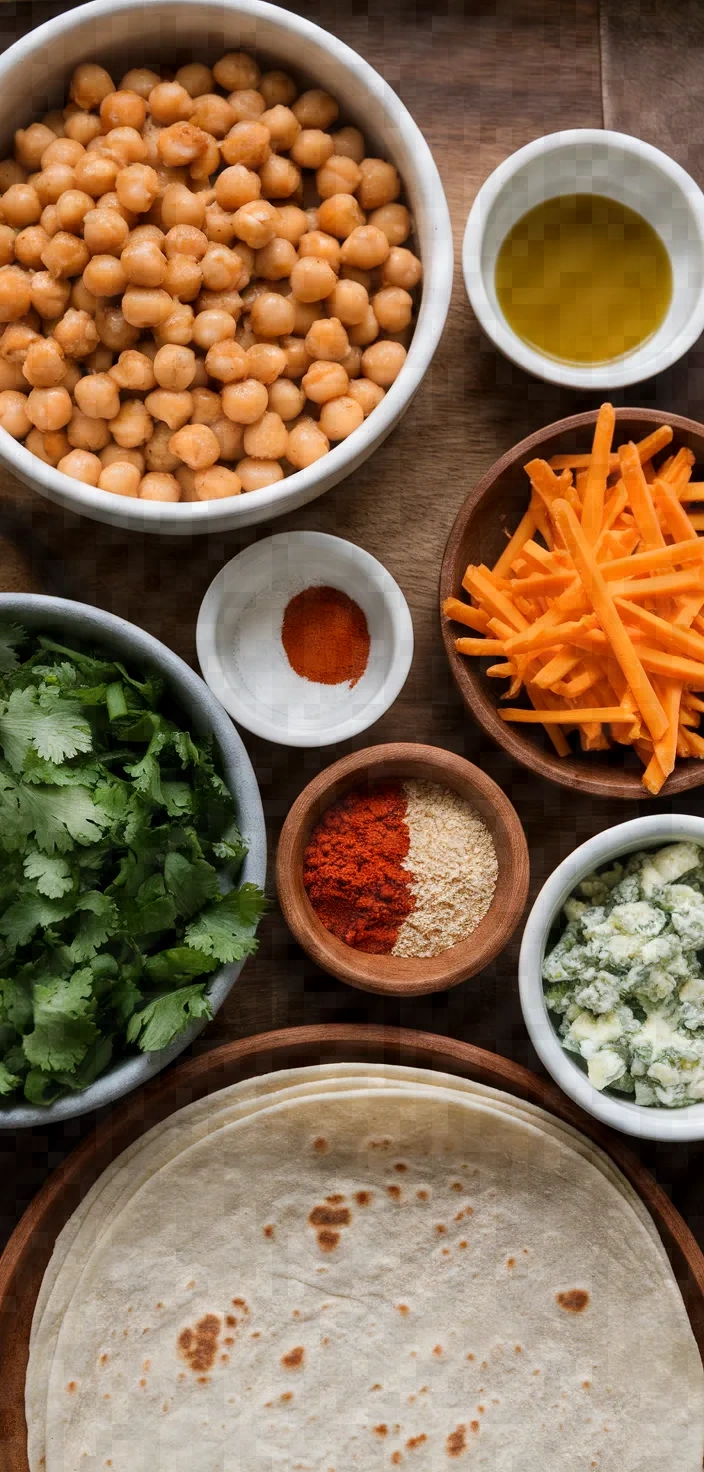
316	109
28	246
63	151
277	89
76	333
226	361
169	102
312	148
133	370
49	408
279	178
65	255
196	445
48	297
105	232
366	331
394	220
84	433
21	205
180	207
17	339
365	393
340	417
44	365
15	293
349	143
306	444
83	127
31	143
113	453
207	408
140	80
144	306
256	475
81	465
237	186
8	241
349	302
14	414
120	478
173	408
340	175
157	486
174	368
256	223
216	482
306	314
401	268
132	425
11	172
181	144
183	278
219	225
185	240
200	377
246	143
97	396
393	308
265	362
214	114
96	174
323	247
214	326
178	326
196	78
124	146
142	263
247	105
297	357
283	126
340	215
293	223
50	220
105	276
99	361
379	185
383	361
276	260
222	269
267	438
236	71
366	248
82	299
312	279
228	435
114	330
123	109
90	83
245	402
286	399
48	447
272	315
137	187
157	454
327	339
12	376
187	481
71	209
323	381
352	362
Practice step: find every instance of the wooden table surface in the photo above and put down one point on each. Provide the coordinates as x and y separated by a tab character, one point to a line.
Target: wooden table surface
482	78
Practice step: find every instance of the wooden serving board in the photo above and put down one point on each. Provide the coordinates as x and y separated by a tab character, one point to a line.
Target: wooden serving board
26	1256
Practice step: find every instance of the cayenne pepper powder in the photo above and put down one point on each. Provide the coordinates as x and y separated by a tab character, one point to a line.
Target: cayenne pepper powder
325	636
352	868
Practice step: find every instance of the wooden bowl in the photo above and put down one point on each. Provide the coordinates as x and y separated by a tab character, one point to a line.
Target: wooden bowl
398	975
496	506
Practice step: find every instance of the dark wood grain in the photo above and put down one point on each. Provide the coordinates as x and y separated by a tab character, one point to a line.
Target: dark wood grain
27	1254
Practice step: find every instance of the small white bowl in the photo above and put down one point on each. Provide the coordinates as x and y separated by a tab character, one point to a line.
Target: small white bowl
243	660
646	1122
586	161
34	75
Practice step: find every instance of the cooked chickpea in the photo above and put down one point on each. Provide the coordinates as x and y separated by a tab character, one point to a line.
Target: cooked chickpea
105	276
140	80
171	407
48	447
137	187
44	365
65	255
48	297
349	143
265	362
219	225
340	417
340	215
312	279
223	269
90	83
272	315
124	146
180	207
279	178
144	306
215	483
71	209
119	477
316	109
306	444
383	361
157	455
226	361
340	175
158	486
213	326
14	414
132	425
99	361
379	184
142	263
123	109
366	248
256	475
113	328
76	333
15	293
113	453
276	260
17	339
297	357
83	127
324	380
98	396
247	105
49	408
237	186
63	151
312	148
322	246
366	331
207	407
277	88
292	223
82	299
96	175
349	302
81	465
50	220
178	326
105	232
245	402
84	433
393	308
174	368
267	438
229	437
181	144
196	78
306	314
21	205
196	445
133	370
11	172
235	71
31	143
327	339
395	222
246	143
214	114
169	103
286	399
185	240
8	241
12	376
283	126
183	278
401	268
256	223
28	246
365	393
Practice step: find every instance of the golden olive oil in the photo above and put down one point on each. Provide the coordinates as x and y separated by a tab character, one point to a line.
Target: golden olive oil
583	278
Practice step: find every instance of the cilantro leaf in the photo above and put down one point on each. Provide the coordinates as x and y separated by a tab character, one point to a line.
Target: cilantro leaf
9	1082
53	876
63	1025
179	963
189	884
15	1003
55	727
60	817
11	637
226	929
99	921
28	914
165	1017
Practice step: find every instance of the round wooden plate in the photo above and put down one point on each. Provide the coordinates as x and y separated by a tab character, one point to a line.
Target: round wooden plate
26	1256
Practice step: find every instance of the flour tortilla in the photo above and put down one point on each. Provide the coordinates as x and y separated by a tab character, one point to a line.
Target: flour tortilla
619	1382
130	1170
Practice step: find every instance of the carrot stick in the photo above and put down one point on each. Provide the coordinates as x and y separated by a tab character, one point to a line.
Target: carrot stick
556	669
602	602
463	613
578	462
693	491
481	647
495	602
524	531
669	585
679	524
639	496
672	666
609	714
669	635
653	561
593	509
542	585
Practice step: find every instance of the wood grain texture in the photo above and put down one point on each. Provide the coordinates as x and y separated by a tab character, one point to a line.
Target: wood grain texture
26	1256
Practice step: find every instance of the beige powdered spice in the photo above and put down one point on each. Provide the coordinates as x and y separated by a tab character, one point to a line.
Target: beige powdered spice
453	862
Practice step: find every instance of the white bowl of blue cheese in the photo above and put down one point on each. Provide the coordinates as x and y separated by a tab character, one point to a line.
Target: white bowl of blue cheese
612	976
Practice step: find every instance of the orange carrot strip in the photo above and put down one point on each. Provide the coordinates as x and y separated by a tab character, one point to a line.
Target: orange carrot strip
653	561
672	666
670	636
524	531
639	496
668	585
542	585
556	669
603	604
542	700
609	714
593	509
615	503
693	491
481	647
504	671
461	613
495	602
680	526
571	689
542	520
578	462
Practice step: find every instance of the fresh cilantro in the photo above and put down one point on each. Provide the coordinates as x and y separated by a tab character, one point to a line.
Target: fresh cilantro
117	840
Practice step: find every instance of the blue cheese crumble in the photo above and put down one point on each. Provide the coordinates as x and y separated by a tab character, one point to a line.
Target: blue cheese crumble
625	981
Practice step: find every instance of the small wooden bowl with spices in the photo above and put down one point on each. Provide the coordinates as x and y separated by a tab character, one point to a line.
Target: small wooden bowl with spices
402	869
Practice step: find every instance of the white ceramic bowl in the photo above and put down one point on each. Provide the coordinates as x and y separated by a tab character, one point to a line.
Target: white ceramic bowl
34	75
585	161
242	657
612	1108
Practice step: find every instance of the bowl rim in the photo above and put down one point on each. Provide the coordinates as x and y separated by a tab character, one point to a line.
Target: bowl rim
127	1074
644	1121
303	485
633	367
358	969
337	549
603	782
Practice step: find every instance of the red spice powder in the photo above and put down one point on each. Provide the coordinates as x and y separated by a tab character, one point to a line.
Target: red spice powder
352	868
325	636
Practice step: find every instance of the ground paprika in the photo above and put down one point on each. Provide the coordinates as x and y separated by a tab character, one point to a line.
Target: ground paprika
352	868
325	636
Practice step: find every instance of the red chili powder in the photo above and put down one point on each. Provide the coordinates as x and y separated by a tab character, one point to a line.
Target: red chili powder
352	868
325	636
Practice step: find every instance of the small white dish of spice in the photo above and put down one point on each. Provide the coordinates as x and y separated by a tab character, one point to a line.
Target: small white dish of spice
305	639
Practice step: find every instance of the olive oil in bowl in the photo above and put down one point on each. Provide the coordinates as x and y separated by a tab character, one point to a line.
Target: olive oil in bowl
583	279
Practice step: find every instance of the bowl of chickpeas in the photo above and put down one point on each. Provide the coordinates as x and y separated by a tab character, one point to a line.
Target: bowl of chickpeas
218	293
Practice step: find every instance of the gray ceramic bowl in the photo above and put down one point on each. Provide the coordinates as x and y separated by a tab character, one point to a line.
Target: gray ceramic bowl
105	631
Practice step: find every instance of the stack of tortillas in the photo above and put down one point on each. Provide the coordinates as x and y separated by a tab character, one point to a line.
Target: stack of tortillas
357	1267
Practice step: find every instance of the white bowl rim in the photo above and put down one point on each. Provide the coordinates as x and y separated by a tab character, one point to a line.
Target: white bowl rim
645	1122
127	1074
301	487
401	626
633	367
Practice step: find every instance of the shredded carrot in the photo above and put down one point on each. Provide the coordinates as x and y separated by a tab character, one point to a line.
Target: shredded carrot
480	647
593	510
606	714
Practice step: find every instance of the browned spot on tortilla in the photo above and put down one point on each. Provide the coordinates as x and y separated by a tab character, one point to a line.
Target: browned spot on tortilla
256	1334
230	1320
518	1349
363	1198
456	1186
146	1364
463	1243
403	1309
422	1194
229	1340
437	1351
574	1301
106	1395
456	1442
396	1459
382	1144
325	1339
294	1359
143	1383
510	1263
165	1406
320	1144
440	1228
470	1356
377	1387
287	1395
536	1372
203	1379
160	1305
381	1430
445	1252
394	1192
199	1346
269	1231
72	1387
192	1283
400	1166
327	1239
481	1410
104	1359
240	1303
224	1359
336	1199
330	1216
474	1425
586	1384
144	1331
125	1333
416	1441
